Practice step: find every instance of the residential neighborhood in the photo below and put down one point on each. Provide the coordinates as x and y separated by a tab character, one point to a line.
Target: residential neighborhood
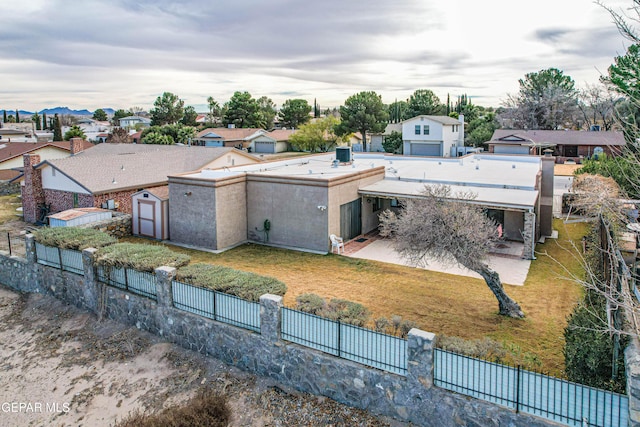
320	214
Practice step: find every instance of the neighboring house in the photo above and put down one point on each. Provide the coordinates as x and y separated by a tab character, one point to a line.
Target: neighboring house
11	162
109	174
566	144
201	119
304	200
240	138
16	135
281	136
377	138
133	121
437	136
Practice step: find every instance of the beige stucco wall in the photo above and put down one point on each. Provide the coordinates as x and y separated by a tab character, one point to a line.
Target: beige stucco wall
192	218
231	212
292	207
345	190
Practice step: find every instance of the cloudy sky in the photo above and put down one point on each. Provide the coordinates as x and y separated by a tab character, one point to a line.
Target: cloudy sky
124	53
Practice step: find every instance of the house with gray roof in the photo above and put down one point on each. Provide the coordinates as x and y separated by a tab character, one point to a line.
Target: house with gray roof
109	174
565	144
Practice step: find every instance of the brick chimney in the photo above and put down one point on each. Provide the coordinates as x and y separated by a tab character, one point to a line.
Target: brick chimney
32	192
75	145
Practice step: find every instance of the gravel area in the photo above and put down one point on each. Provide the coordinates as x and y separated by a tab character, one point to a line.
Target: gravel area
62	367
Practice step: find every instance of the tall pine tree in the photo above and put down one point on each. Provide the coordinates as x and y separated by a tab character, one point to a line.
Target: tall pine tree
4	116
57	129
17	116
44	121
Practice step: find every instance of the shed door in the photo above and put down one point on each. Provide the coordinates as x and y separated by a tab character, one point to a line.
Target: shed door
264	147
425	149
350	220
147	218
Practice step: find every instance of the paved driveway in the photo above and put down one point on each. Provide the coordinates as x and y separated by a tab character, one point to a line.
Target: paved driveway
512	271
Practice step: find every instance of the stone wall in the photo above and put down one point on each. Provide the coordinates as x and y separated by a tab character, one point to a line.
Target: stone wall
118	226
411	398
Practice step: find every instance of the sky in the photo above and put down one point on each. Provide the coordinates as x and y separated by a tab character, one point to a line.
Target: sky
124	53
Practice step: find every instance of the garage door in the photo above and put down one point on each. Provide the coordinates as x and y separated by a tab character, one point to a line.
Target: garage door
147	218
425	149
510	149
264	147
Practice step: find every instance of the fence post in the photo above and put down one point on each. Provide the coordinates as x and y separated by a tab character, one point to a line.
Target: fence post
91	290
9	242
164	279
632	362
518	390
30	249
420	349
270	312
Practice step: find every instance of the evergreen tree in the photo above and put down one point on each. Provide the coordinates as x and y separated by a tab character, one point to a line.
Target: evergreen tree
44	121
448	105
57	129
4	116
36	119
316	109
17	116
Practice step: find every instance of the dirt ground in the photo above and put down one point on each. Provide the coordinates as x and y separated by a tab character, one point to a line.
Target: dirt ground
61	367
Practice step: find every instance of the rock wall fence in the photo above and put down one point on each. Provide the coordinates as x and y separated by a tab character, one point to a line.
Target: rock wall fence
412	397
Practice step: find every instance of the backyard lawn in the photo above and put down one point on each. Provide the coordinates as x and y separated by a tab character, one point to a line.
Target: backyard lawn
437	302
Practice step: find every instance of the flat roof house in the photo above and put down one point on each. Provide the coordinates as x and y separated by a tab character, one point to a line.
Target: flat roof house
298	203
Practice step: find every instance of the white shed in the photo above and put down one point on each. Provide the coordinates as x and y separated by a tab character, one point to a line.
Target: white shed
151	212
78	216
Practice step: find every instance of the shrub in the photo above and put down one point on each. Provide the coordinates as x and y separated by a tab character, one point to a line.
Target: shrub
381	324
339	310
205	409
140	257
243	284
311	303
406	326
73	237
588	350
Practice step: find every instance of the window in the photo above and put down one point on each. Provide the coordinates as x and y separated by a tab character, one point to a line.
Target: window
454	128
417	129
425	130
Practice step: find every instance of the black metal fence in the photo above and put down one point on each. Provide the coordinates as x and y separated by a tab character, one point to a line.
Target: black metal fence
382	351
541	395
13	243
64	259
216	305
128	279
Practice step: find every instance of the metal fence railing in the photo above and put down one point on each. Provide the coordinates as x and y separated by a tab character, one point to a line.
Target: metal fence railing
13	243
365	346
541	395
64	259
216	305
128	279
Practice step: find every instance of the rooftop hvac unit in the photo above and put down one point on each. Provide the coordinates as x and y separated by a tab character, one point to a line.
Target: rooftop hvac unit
343	154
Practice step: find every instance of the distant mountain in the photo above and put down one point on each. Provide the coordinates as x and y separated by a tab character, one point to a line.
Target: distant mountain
109	111
66	111
13	112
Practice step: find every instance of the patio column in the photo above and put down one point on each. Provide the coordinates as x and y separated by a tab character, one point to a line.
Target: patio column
529	235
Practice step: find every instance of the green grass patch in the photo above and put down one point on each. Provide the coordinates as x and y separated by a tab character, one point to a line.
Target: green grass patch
140	257
73	238
243	284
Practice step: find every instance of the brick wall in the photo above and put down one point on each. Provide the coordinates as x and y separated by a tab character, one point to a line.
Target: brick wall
32	194
122	197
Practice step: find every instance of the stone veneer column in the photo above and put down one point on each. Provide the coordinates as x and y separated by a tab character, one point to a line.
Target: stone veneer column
632	366
529	234
92	289
164	277
30	249
270	308
420	346
32	192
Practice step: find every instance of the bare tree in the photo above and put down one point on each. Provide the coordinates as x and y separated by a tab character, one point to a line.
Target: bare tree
597	105
119	136
448	228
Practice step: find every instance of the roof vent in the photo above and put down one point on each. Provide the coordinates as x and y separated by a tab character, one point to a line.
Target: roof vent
513	166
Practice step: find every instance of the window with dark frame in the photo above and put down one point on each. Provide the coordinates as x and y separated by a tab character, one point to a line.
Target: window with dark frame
417	129
425	130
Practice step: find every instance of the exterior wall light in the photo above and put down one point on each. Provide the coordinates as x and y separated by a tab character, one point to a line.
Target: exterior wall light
187	193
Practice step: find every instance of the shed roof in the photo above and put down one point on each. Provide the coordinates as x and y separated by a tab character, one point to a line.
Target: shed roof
76	213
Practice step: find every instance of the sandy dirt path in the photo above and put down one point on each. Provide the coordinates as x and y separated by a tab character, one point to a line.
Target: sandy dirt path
59	366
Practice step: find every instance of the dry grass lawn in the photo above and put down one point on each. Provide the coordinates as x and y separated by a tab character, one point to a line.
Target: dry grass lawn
565	170
437	302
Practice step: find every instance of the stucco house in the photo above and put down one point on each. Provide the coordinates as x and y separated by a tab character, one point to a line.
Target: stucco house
378	138
437	136
240	138
304	200
109	174
11	162
566	144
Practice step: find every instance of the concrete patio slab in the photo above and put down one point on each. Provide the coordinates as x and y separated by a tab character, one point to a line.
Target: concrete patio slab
512	271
